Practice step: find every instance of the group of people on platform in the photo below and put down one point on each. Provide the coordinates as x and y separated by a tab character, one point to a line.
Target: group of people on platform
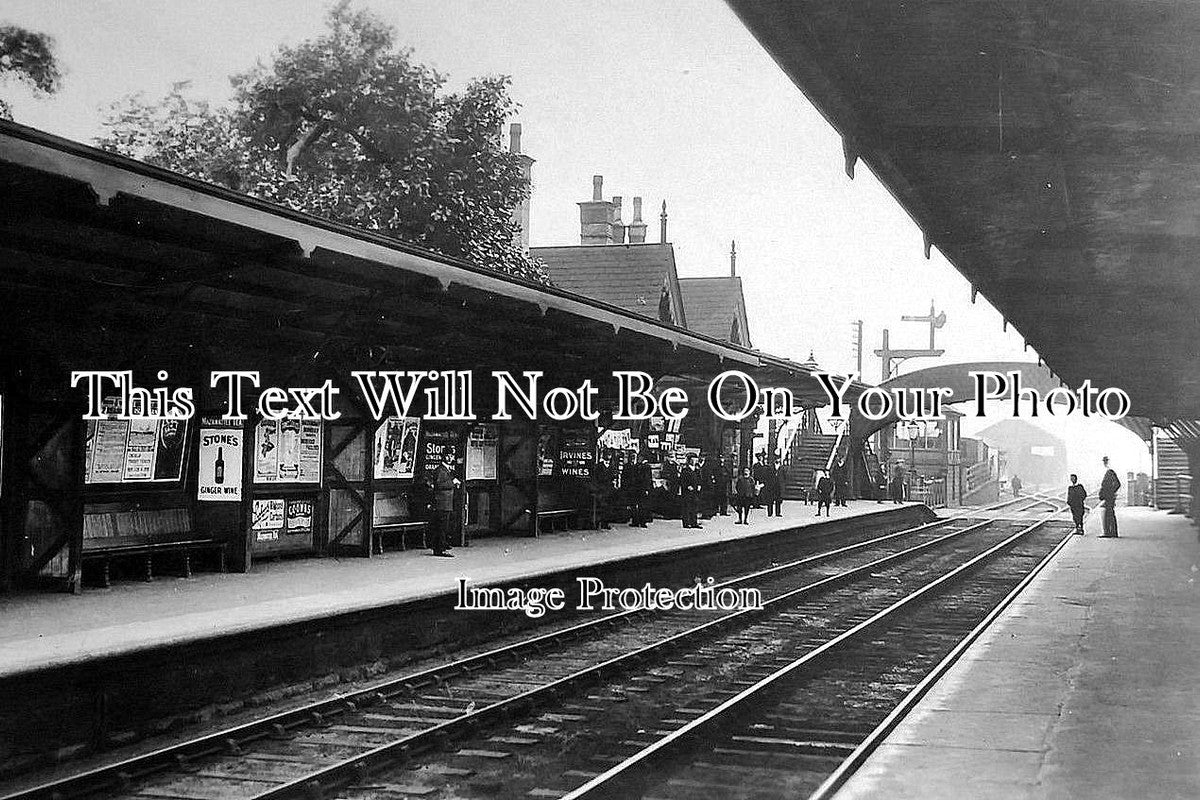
703	487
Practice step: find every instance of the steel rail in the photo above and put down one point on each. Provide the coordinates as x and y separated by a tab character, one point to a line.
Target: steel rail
860	753
230	740
621	780
358	767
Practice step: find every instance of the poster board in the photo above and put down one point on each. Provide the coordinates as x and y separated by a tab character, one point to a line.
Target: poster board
219	473
576	453
615	439
434	442
483	452
267	518
120	451
273	518
547	451
287	451
396	447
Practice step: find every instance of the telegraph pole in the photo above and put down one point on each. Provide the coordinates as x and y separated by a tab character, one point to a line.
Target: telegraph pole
858	343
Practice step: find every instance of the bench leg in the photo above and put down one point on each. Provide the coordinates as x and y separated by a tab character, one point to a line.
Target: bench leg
149	569
187	564
106	576
221	558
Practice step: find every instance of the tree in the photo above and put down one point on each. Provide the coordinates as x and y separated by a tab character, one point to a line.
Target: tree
28	58
348	127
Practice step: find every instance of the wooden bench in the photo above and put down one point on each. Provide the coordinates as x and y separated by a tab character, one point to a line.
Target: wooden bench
402	529
113	531
147	550
554	517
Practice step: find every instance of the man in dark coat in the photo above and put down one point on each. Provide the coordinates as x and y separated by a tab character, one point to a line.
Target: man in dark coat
896	488
743	498
824	493
1076	494
841	481
689	493
881	484
1108	495
445	485
602	486
778	482
639	484
1015	483
722	478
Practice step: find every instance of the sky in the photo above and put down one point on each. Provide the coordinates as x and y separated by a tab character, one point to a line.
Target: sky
673	101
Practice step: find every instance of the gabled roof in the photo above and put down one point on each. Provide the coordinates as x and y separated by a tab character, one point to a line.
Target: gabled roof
714	305
629	276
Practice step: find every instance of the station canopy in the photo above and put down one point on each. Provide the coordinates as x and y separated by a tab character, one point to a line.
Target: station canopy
1051	151
102	258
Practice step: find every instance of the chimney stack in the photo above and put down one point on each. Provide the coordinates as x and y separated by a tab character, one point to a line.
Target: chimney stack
618	227
662	224
637	228
732	259
520	214
596	217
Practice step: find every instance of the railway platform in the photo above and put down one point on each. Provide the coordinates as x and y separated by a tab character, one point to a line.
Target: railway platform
1084	688
38	631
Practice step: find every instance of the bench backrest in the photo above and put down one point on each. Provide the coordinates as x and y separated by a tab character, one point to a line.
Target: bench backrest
106	527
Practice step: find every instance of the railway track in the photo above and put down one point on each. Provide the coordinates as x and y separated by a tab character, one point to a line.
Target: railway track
803	729
333	747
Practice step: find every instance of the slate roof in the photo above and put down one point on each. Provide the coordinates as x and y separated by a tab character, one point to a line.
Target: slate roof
629	276
712	304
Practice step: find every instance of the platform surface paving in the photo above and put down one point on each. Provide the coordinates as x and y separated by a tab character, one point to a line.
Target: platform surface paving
40	630
1087	687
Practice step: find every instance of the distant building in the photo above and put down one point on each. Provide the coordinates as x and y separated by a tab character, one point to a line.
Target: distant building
716	306
1037	457
613	263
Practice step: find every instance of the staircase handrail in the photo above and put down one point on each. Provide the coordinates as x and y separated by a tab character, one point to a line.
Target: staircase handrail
837	446
788	449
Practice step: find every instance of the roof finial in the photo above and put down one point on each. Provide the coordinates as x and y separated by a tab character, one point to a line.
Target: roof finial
732	258
662	224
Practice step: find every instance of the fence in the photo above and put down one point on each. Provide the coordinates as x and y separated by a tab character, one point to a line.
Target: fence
932	493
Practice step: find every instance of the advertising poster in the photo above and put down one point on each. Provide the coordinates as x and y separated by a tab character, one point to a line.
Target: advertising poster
483	452
615	439
134	451
435	442
299	516
287	451
547	451
576	454
107	438
396	447
139	450
308	468
220	471
170	449
267	515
